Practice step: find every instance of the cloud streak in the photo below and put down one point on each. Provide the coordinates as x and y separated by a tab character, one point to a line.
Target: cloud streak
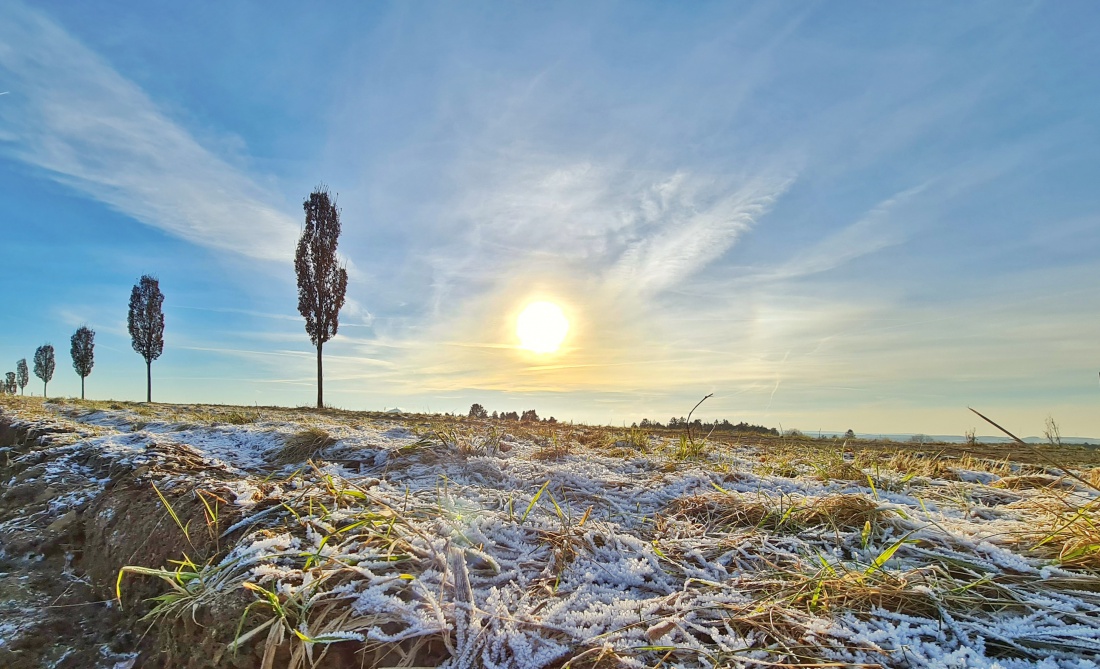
88	127
631	231
691	230
878	229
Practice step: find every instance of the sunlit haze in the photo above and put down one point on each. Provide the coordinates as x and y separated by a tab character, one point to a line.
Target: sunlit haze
541	327
830	216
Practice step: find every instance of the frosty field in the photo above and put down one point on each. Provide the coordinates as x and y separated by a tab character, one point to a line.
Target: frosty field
193	536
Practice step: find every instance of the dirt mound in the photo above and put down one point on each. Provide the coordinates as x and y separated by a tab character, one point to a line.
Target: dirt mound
41	556
129	525
69	520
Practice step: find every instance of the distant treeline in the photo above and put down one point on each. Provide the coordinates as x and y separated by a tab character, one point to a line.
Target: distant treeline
529	416
697	424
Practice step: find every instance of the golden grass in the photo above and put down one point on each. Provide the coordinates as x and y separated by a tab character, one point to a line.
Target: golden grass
1063	532
302	446
1032	481
722	511
553	448
860	591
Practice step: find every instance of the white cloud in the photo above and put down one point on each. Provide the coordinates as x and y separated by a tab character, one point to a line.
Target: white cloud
71	114
638	232
691	228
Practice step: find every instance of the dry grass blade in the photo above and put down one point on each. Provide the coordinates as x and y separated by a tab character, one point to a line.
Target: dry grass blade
1042	456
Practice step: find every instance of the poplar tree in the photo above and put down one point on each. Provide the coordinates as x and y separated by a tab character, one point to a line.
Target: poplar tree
9	383
44	365
322	283
83	348
22	374
146	324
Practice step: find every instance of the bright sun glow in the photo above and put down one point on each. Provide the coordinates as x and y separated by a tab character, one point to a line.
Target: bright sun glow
541	327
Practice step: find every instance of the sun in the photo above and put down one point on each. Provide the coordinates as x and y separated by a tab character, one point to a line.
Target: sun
541	327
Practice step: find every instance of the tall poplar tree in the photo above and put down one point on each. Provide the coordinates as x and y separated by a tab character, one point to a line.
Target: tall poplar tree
322	283
44	365
146	324
83	352
22	374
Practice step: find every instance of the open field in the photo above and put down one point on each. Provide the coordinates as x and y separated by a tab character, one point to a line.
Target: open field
156	535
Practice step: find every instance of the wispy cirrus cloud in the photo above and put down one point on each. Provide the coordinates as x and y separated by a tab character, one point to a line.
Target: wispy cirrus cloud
72	115
627	231
692	223
878	229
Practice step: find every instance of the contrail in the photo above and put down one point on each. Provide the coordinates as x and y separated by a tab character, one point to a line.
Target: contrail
777	380
5	92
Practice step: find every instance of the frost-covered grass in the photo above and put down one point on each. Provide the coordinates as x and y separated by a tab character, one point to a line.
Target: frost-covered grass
421	540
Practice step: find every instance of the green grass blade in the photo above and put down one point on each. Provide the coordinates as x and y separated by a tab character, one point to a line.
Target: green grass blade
534	500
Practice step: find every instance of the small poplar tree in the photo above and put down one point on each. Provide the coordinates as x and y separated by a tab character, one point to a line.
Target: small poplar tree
83	352
322	283
146	324
9	383
22	374
44	365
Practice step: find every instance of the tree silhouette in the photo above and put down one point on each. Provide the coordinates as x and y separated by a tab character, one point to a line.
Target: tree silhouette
9	383
321	281
478	411
146	323
83	352
43	365
22	374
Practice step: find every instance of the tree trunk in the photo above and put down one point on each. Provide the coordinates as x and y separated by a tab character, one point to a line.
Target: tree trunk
44	390
320	388
148	381
82	387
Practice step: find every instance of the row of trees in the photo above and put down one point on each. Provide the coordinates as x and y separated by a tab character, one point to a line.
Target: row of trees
322	285
146	325
83	354
18	379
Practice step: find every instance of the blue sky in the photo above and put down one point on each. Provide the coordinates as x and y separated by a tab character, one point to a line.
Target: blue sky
864	215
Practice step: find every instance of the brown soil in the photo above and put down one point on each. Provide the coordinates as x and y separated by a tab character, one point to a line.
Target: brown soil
41	561
70	558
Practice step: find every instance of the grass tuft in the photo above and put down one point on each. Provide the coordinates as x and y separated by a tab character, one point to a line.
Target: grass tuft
302	446
723	511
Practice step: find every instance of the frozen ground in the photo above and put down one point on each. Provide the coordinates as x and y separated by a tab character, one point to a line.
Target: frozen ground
418	541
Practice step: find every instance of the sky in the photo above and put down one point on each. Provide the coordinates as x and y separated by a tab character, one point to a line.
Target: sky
854	215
